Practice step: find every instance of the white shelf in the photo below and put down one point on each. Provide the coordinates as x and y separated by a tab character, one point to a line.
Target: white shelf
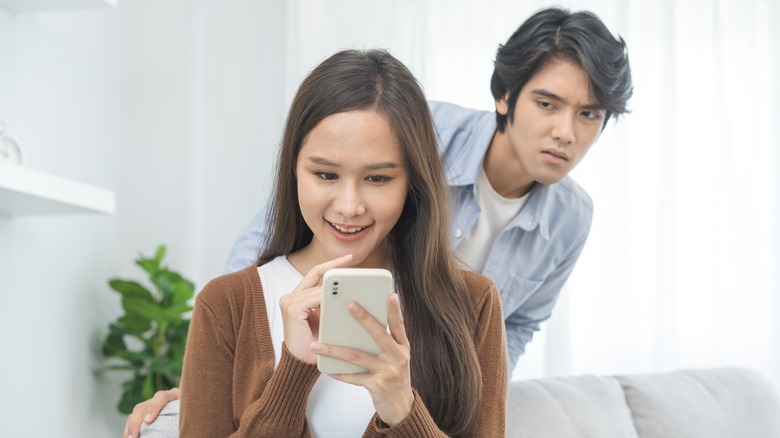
27	192
53	5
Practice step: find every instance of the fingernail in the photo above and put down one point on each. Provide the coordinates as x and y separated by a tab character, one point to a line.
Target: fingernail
147	418
129	436
315	347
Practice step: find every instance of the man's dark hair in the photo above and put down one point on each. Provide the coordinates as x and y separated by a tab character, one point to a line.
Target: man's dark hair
580	37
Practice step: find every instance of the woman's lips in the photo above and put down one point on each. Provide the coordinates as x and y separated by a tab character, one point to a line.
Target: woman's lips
348	232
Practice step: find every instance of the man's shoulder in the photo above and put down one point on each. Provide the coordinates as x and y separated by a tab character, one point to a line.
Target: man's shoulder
463	136
567	191
447	115
564	209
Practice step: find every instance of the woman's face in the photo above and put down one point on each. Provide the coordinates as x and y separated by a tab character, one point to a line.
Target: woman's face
352	186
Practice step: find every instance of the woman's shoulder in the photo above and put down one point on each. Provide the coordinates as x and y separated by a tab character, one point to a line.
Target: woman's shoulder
481	289
230	291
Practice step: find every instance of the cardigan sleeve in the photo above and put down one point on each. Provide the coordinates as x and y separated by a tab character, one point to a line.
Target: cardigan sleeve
492	352
490	343
207	385
281	409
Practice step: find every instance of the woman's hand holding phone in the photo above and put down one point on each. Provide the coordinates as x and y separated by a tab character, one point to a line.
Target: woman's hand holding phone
301	310
389	378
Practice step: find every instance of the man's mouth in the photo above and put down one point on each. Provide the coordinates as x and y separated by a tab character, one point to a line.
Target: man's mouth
557	154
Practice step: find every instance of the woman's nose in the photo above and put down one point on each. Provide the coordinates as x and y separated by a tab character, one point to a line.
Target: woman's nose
349	200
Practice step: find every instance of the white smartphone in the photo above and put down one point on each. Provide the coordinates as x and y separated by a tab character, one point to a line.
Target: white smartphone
368	287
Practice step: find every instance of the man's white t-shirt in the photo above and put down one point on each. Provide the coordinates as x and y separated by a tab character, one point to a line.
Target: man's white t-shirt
495	213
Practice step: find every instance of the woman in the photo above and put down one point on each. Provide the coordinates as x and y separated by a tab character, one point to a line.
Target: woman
359	184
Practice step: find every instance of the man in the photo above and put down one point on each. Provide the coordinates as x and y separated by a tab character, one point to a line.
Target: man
518	217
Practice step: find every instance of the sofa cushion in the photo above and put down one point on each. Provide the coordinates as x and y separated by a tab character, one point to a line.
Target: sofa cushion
722	402
580	406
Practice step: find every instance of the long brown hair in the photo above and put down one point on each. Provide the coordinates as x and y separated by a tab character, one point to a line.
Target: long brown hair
437	308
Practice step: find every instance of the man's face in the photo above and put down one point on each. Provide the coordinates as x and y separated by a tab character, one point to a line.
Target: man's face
555	122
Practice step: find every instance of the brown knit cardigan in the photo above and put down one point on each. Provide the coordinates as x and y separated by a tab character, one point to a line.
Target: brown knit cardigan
230	387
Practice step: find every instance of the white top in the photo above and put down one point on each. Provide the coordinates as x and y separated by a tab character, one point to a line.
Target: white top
495	213
335	409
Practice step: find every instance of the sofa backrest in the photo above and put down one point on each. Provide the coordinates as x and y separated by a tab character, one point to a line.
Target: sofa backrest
706	403
714	403
560	407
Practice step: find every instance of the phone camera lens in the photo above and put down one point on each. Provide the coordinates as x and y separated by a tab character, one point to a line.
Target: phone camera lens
335	292
335	283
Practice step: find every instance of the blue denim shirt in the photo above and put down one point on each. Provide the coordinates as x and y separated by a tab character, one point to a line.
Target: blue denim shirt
529	261
533	256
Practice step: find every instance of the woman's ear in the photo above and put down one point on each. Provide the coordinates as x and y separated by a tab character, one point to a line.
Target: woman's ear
502	106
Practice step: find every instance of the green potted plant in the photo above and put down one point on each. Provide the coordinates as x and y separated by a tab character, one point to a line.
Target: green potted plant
149	338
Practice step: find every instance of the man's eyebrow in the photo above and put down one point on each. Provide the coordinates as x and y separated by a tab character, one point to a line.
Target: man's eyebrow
550	95
376	166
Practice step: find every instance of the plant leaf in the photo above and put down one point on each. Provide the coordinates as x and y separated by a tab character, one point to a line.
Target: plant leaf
136	323
148	389
143	307
114	342
151	336
129	287
183	291
160	253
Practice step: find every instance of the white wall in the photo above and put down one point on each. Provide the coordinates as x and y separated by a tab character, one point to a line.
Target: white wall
173	106
65	97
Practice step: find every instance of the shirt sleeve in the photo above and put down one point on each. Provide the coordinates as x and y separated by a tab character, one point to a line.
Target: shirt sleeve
249	243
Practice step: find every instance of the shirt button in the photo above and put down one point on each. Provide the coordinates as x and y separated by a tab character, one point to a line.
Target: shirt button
458	232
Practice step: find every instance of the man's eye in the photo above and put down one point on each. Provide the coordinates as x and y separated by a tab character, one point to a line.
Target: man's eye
591	115
328	176
546	105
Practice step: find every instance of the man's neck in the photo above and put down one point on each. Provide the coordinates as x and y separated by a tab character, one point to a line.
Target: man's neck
504	169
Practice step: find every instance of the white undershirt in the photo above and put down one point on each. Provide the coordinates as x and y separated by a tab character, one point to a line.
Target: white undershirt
335	409
495	213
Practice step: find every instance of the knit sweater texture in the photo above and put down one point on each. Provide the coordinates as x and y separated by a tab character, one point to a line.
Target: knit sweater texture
231	388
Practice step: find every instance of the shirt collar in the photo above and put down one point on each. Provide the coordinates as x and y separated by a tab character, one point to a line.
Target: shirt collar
536	211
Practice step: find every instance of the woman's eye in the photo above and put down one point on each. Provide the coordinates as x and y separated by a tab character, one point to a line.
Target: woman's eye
327	176
377	178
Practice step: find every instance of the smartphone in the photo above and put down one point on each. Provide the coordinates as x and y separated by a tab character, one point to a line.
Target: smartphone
368	287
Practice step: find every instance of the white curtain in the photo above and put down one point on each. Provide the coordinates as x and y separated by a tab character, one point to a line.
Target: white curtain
681	267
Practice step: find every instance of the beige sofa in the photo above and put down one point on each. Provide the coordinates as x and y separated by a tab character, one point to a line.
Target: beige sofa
711	403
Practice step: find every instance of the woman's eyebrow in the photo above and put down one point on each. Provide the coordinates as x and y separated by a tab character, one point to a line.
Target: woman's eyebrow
375	166
323	161
384	165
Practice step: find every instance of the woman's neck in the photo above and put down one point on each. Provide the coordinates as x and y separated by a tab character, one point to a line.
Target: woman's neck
304	259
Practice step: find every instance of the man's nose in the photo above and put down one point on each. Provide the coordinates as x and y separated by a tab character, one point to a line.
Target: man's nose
563	131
